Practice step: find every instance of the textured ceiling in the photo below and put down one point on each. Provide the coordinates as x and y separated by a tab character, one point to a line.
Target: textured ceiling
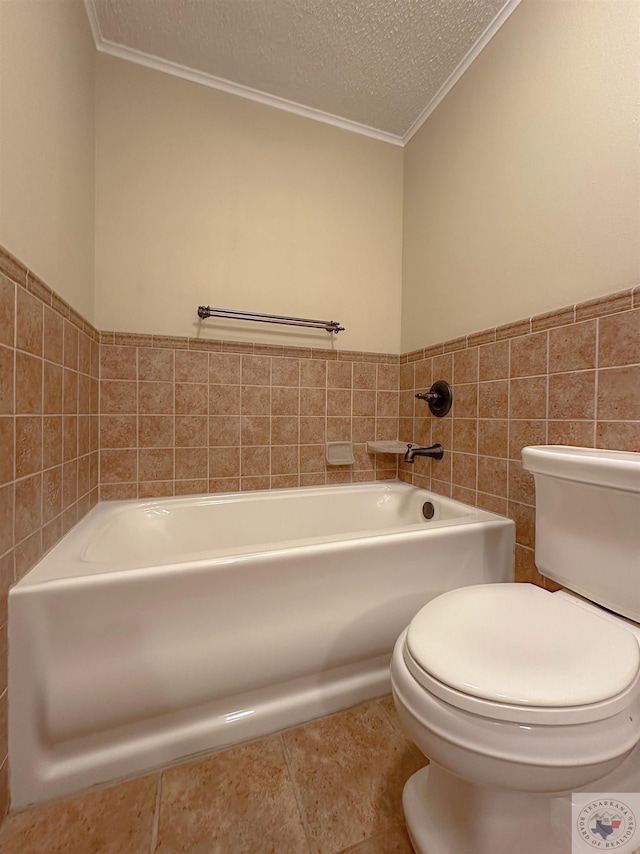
375	63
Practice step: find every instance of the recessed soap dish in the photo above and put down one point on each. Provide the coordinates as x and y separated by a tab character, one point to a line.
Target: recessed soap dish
340	454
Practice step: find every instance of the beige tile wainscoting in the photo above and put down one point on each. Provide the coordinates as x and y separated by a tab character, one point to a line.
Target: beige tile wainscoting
569	377
187	415
49	369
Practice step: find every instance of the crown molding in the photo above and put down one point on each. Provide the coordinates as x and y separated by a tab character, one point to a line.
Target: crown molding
185	73
93	22
502	16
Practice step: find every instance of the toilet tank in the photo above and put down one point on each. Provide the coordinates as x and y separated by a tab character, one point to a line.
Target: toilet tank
588	522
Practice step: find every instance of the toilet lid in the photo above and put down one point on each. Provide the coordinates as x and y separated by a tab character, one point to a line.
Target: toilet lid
520	645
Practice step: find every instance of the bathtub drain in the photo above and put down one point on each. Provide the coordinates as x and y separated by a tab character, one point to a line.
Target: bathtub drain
428	510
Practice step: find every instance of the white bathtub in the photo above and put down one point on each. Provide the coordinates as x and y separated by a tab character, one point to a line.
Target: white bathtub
160	629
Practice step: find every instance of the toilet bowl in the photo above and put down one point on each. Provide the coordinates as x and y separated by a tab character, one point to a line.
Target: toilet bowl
519	696
506	766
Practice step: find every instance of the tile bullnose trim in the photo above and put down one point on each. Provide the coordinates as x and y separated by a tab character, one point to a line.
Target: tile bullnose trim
487	336
454	344
513	330
607	304
12	268
553	319
613	303
37	287
134	339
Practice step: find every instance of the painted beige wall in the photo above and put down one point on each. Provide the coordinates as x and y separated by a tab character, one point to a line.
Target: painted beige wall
47	143
522	190
207	198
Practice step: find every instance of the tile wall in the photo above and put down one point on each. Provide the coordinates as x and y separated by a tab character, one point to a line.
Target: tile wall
49	363
183	415
568	377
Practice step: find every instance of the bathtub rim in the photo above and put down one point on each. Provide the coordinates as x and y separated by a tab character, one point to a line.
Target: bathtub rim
70	547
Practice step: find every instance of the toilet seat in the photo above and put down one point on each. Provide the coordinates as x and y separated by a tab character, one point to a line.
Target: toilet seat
561	664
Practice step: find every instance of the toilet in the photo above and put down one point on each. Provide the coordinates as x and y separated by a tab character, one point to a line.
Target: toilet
519	696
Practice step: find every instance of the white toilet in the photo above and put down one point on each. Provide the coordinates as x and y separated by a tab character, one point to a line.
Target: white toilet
519	696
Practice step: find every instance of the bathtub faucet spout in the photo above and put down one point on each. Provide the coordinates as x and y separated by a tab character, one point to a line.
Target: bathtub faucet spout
434	451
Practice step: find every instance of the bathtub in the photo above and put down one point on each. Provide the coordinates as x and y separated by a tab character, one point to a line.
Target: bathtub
160	629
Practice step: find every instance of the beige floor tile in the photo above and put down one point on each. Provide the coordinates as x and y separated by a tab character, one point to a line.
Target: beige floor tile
350	769
394	842
118	820
239	802
390	709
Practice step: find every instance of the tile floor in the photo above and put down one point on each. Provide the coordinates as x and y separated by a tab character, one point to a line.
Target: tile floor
329	786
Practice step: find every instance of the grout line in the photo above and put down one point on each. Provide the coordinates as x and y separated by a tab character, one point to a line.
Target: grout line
548	365
477	420
363	844
15	424
597	382
393	721
509	420
156	816
297	795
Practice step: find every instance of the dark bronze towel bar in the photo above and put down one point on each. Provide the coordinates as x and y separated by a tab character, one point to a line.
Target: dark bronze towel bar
205	311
